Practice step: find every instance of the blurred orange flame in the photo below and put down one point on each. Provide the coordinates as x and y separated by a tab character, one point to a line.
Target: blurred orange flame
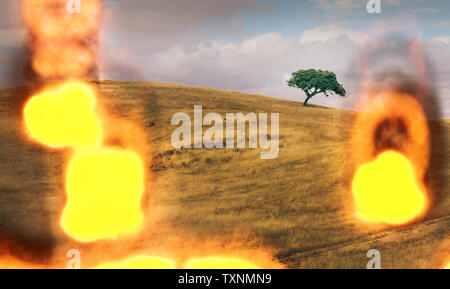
63	43
140	262
50	18
69	59
219	263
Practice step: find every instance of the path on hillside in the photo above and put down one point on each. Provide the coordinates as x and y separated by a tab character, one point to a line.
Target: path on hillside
386	235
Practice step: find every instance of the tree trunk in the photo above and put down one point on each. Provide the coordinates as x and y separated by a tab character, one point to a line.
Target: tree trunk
306	101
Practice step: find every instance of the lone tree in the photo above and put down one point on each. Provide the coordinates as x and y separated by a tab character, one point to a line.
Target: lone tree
313	82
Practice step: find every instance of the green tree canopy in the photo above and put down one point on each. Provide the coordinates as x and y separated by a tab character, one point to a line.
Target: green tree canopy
313	82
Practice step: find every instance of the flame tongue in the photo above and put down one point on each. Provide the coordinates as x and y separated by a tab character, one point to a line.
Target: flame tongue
140	262
386	190
63	43
50	19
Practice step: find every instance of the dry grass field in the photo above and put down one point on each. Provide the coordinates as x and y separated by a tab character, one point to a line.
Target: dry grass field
296	208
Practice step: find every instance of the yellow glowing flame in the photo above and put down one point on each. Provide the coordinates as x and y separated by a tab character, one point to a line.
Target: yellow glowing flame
447	266
140	262
219	263
64	117
104	190
386	190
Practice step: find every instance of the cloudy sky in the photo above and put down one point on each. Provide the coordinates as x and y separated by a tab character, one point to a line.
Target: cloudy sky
253	45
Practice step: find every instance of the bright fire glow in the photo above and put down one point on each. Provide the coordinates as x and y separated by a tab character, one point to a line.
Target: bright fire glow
386	190
9	262
64	117
219	263
140	262
104	188
447	266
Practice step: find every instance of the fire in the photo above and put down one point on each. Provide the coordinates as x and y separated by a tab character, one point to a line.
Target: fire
63	43
219	263
52	60
104	189
140	262
386	190
392	120
391	150
9	262
64	117
150	262
50	18
104	186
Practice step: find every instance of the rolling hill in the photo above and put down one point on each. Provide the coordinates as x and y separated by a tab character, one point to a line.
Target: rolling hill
296	209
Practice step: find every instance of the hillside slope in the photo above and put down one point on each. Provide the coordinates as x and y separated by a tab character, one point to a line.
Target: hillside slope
298	207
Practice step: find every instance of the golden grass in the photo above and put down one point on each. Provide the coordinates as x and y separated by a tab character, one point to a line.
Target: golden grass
298	206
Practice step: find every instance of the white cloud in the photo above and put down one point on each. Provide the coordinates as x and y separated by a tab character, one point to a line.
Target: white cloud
327	32
444	39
